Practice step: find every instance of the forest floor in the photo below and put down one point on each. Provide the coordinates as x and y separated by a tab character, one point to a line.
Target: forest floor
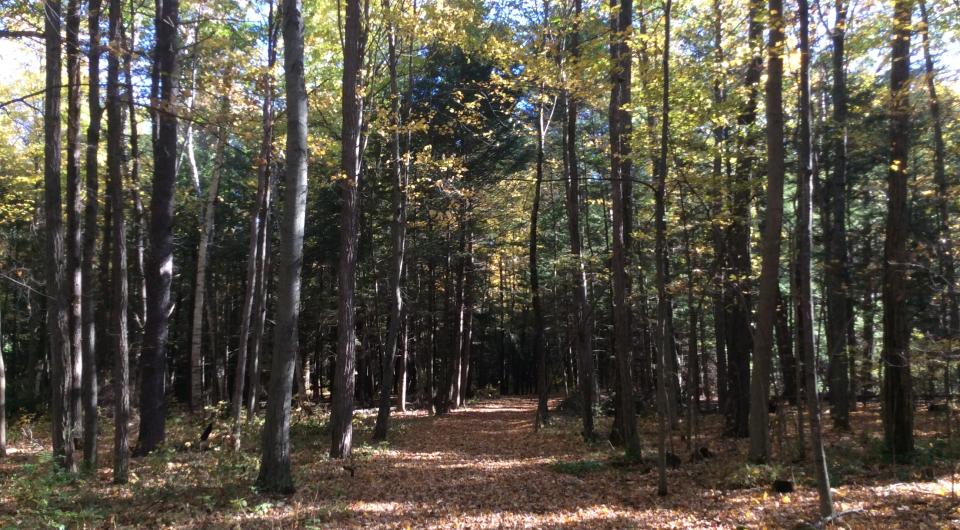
480	467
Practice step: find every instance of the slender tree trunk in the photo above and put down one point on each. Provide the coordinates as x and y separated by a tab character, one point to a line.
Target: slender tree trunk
805	244
951	319
341	420
254	259
159	266
203	259
539	348
737	289
61	365
897	383
140	223
74	235
582	310
118	276
88	301
398	232
275	473
836	271
663	304
620	172
770	252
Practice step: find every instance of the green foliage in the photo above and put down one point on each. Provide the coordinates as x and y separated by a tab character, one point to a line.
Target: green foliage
747	475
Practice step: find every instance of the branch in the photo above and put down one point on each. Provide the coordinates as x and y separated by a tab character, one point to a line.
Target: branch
14	34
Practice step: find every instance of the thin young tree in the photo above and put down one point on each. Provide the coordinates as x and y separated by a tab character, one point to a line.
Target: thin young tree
275	473
770	244
398	236
803	277
663	303
159	265
341	419
897	383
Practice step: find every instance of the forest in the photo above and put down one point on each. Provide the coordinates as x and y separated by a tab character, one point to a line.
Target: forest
479	264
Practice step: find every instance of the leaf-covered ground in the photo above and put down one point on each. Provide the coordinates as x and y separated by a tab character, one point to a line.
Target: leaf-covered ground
480	467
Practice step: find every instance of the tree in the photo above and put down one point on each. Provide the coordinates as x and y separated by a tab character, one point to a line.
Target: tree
804	295
159	265
663	303
88	276
118	269
770	252
275	475
620	165
74	211
897	383
61	365
341	419
837	275
398	235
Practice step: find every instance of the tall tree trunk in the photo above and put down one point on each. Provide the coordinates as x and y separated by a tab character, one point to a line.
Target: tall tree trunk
951	312
805	244
159	266
739	340
720	133
620	172
770	245
61	365
256	226
341	419
74	212
398	233
275	474
88	309
203	259
118	276
663	303
897	383
539	348
836	271
582	311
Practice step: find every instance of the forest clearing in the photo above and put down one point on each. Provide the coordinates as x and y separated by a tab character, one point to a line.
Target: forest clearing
483	467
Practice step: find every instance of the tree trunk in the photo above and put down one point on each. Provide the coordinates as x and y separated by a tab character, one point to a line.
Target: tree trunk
951	312
805	244
398	233
897	384
3	397
582	313
118	276
256	225
739	340
836	272
770	245
663	304
61	365
341	419
159	266
620	172
200	281
539	348
275	474
88	301
74	236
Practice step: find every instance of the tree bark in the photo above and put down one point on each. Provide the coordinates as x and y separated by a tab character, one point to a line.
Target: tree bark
275	473
770	244
118	276
539	348
74	236
341	419
897	383
88	301
61	365
159	266
663	303
620	172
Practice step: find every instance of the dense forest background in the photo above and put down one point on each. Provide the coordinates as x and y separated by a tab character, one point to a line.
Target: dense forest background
734	219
